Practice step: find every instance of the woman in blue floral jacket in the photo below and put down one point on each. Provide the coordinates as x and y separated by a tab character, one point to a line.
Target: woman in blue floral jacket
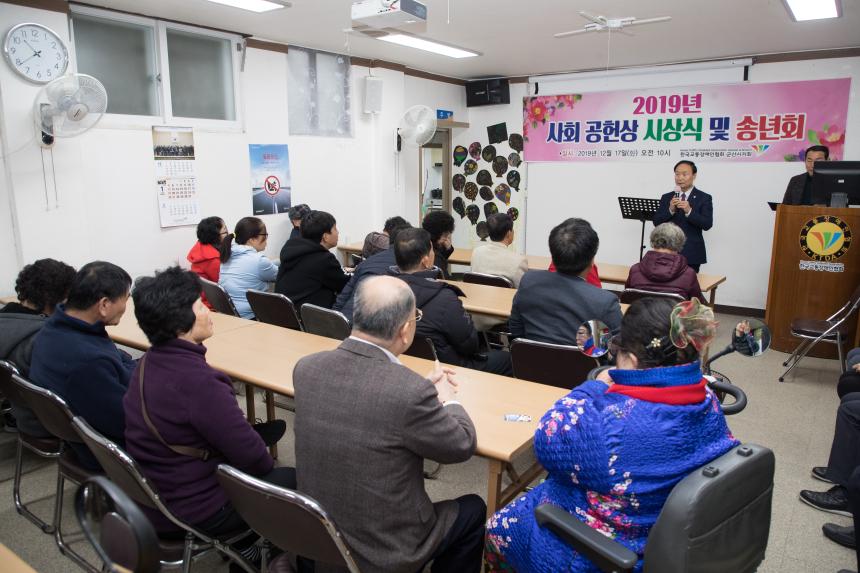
615	447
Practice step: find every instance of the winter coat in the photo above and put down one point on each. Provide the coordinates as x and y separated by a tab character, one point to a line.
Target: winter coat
309	273
665	272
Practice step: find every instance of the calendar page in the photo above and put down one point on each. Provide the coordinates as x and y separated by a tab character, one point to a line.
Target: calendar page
176	182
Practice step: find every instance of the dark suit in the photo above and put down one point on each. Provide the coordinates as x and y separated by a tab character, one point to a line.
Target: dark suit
701	218
794	190
549	307
363	427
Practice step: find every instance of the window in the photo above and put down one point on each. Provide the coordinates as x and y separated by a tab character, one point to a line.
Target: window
159	71
318	91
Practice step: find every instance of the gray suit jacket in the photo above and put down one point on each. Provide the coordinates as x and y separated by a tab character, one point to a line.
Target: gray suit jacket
549	307
363	427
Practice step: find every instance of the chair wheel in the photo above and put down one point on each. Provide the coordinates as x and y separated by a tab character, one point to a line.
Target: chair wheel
781	379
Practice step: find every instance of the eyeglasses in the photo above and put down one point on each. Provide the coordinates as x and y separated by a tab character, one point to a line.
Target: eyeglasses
418	316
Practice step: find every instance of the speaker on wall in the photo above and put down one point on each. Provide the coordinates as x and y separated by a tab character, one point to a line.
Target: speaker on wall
372	94
487	92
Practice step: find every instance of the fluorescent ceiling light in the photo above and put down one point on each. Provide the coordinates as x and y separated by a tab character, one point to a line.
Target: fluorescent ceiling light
428	46
253	5
802	10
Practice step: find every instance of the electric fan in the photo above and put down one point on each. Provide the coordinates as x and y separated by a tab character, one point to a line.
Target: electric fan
417	126
69	106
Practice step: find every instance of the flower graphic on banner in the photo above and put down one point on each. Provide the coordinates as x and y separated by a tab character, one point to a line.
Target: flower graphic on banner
539	109
833	136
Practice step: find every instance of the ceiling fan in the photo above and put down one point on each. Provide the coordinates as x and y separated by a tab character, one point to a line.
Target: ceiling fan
601	23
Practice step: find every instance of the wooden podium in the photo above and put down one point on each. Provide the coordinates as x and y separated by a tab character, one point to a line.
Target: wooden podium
814	269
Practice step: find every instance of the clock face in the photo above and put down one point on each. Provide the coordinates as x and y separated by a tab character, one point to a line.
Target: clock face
36	53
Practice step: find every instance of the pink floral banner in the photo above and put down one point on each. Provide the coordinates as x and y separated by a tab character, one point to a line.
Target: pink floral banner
738	122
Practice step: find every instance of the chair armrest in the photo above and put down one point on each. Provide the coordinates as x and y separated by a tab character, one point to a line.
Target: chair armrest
599	549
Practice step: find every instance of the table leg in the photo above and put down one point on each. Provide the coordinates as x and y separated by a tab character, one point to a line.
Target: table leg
713	297
249	403
494	485
270	415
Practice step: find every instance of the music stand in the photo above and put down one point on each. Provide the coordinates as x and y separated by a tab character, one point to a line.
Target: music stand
639	209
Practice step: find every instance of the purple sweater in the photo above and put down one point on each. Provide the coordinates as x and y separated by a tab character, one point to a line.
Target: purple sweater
191	404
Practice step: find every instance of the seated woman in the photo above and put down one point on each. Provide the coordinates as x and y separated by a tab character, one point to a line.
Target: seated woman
243	265
615	447
376	242
204	256
178	409
664	268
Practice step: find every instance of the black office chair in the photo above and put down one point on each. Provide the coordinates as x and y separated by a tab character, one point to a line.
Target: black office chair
266	508
274	308
716	519
116	527
218	297
834	329
48	448
631	295
125	473
553	364
325	322
489	280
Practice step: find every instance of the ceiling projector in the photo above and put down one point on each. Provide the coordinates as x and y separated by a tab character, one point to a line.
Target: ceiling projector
388	13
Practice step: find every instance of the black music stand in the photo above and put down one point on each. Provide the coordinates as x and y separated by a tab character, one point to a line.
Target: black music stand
639	209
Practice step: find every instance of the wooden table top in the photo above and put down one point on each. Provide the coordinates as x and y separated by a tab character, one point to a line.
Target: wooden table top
11	563
609	273
264	355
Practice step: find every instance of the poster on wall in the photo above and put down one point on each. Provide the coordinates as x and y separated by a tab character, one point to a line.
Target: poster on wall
175	178
270	178
770	122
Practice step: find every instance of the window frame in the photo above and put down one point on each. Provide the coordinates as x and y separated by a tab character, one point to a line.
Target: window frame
315	95
165	115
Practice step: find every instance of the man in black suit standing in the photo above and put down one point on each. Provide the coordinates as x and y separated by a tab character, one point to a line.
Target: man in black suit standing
799	190
691	209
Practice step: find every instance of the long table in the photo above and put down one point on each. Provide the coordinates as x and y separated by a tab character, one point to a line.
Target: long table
608	272
264	356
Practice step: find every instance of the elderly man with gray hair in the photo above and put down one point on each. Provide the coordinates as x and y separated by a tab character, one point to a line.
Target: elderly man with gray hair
364	425
664	268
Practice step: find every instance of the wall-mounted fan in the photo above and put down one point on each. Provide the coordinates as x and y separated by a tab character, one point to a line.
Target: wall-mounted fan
417	126
69	106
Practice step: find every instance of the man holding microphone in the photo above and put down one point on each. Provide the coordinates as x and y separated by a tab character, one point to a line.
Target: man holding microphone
689	208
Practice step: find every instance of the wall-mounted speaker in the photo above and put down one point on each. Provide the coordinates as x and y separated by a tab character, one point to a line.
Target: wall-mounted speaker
372	94
487	92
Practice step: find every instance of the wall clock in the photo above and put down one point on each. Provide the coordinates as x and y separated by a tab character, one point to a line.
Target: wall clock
36	53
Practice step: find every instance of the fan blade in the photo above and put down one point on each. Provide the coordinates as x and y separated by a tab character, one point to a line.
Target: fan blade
649	21
571	33
600	20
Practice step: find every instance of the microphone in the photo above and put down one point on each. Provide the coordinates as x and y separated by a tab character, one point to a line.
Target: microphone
677	191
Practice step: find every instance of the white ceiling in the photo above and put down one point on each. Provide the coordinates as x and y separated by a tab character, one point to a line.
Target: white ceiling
515	36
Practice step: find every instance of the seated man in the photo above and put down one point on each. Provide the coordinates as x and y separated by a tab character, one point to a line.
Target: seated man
378	264
440	225
444	319
74	357
550	306
309	272
377	242
40	287
496	257
664	268
364	425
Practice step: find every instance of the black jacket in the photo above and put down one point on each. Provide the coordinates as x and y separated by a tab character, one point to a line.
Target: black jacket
440	259
309	273
445	321
701	218
378	264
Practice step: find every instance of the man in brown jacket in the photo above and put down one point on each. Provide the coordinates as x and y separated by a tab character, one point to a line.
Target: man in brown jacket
364	425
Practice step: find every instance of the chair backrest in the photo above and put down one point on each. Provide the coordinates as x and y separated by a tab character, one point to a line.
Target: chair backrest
422	347
274	308
553	364
116	527
849	307
489	280
631	295
51	410
266	508
717	518
218	297
118	465
7	387
325	322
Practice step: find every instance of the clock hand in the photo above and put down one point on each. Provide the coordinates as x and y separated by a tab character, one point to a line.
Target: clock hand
29	46
30	58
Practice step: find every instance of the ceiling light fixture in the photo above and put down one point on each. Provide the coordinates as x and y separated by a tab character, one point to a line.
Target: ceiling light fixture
428	46
254	5
802	10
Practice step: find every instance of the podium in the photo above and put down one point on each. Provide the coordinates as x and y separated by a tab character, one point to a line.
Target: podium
814	269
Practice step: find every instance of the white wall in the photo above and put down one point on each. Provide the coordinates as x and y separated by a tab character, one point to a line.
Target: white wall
739	244
105	178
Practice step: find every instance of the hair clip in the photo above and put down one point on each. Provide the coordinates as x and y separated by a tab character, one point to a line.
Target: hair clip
655	343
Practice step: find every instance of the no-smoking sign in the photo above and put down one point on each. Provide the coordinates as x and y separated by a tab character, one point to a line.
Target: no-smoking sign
272	185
